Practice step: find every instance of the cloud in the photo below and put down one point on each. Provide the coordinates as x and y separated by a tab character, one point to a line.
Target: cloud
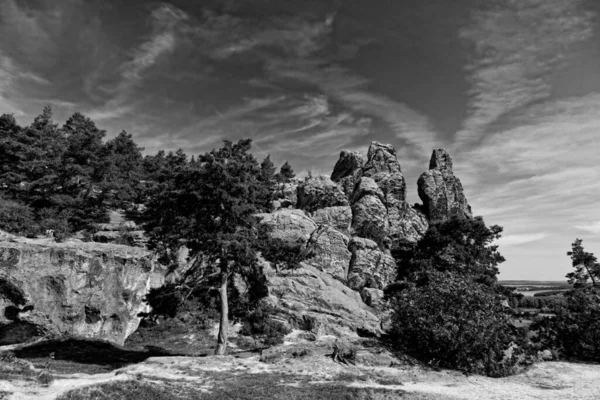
517	46
516	240
593	228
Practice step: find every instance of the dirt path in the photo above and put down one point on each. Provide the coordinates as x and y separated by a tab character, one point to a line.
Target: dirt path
548	381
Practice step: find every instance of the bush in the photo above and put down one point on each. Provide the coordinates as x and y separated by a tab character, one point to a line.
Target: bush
575	330
453	322
259	323
17	218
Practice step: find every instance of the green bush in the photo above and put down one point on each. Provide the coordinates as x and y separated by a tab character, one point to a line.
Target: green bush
455	323
17	218
575	330
259	323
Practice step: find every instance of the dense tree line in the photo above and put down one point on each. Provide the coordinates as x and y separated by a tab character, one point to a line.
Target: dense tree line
66	178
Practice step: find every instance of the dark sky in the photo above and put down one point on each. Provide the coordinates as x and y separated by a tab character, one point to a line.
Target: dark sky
510	87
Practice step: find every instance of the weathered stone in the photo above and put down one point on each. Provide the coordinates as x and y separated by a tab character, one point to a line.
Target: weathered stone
407	224
287	194
366	187
313	300
441	192
381	159
130	238
369	218
369	267
320	192
289	225
83	289
348	164
339	218
331	252
372	297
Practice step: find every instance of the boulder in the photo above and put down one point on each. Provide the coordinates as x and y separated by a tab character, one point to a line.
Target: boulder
88	290
372	297
288	224
347	171
331	254
339	218
406	223
349	163
320	192
287	194
381	160
369	218
370	266
441	192
313	300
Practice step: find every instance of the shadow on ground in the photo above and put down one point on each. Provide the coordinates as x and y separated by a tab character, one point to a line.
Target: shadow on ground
86	356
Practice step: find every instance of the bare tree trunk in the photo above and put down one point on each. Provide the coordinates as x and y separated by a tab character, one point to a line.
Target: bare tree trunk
224	323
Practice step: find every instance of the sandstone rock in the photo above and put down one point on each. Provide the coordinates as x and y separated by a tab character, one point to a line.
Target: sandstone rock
83	289
290	225
407	224
369	218
381	159
347	171
366	187
331	252
320	192
372	297
348	164
369	267
287	194
313	300
441	192
339	218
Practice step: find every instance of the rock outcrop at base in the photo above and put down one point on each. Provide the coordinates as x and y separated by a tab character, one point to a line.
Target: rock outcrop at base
315	301
441	192
87	290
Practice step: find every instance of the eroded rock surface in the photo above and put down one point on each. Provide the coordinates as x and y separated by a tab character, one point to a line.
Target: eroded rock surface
370	267
330	247
288	224
441	192
347	171
314	300
89	290
320	192
339	218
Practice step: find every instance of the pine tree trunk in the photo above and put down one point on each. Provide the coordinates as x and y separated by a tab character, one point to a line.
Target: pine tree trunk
224	323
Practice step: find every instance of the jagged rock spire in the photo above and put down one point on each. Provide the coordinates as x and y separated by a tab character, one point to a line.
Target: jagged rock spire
441	192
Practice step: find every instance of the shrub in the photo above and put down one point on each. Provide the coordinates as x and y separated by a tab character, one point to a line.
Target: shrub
455	323
260	323
17	218
575	330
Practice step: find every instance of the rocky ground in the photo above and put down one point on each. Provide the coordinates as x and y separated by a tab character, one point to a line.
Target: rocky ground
300	368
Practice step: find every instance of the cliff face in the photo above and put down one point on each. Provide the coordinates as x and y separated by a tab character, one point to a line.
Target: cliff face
85	289
351	221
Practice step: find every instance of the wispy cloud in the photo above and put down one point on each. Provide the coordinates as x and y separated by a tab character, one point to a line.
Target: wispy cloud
593	228
517	46
516	240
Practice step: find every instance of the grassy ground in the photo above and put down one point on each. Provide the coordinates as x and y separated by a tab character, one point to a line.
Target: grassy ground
241	387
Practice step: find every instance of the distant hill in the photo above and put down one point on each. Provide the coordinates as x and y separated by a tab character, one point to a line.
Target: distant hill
564	284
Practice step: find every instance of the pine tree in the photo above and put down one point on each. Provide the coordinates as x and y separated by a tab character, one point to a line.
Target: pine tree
286	173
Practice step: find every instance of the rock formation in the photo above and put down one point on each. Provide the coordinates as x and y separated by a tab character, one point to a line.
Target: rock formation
83	289
320	192
351	222
346	171
441	192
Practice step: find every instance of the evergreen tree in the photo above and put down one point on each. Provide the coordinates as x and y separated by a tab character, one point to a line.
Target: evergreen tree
210	209
586	266
286	173
122	170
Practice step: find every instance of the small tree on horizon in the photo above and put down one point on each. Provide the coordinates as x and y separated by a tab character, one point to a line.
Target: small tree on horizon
286	173
586	266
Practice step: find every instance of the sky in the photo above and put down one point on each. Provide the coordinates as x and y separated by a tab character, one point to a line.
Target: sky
511	88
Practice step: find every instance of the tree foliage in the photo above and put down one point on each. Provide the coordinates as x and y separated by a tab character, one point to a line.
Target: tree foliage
586	266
